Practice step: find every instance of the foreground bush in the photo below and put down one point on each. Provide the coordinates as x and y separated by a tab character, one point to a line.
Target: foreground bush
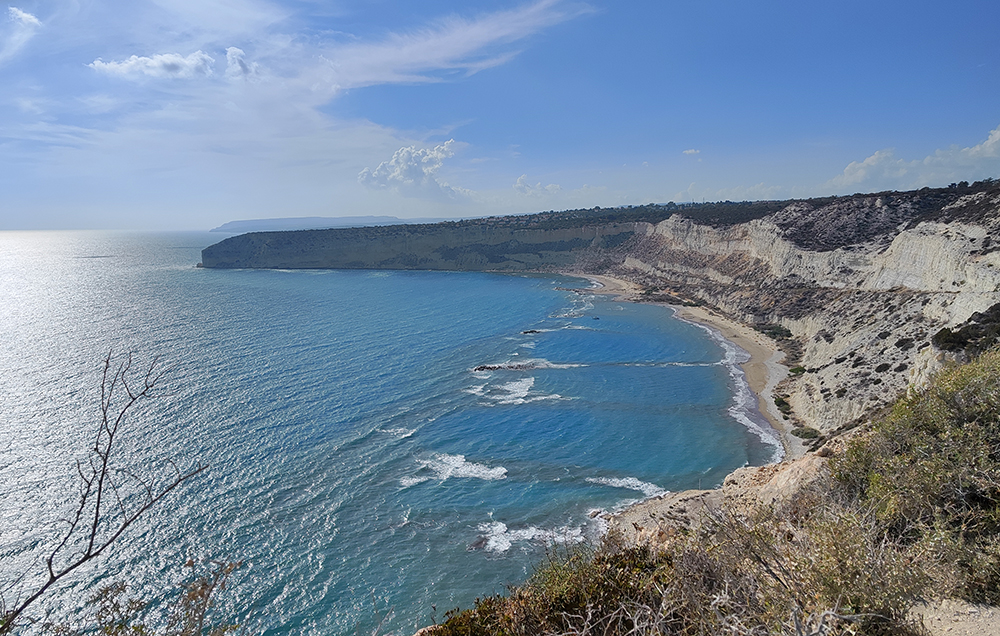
910	510
930	474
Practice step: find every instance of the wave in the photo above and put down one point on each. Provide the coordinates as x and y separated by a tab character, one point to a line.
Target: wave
744	406
630	483
445	466
406	482
578	309
399	433
496	537
518	392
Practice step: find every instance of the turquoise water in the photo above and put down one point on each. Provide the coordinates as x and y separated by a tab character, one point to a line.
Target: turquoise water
360	465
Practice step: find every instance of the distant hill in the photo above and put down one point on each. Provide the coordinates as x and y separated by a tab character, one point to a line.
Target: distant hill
313	223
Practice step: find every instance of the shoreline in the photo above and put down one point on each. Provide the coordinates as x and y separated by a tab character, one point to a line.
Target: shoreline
763	370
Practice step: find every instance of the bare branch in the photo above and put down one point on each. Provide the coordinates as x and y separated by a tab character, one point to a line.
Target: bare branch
96	523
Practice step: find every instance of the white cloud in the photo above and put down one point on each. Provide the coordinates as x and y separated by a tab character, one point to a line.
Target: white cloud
883	170
691	151
453	44
162	65
23	17
413	171
250	146
237	65
521	186
21	28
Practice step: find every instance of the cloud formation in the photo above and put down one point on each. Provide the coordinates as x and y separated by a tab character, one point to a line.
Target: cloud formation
412	171
171	65
237	66
883	170
21	27
452	44
521	186
691	151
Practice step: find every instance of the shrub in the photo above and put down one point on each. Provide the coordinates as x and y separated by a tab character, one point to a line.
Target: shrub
930	471
777	332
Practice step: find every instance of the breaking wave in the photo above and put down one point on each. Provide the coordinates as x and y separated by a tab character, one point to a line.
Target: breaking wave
400	433
496	537
519	392
443	466
630	483
744	408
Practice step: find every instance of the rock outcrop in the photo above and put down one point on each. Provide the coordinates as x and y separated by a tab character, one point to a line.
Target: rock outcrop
744	491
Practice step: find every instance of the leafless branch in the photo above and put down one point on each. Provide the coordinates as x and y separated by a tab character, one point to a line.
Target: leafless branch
103	513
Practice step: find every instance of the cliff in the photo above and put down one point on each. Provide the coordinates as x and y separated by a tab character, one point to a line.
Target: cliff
856	289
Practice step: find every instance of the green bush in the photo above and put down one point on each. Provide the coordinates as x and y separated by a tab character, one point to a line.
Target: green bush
930	471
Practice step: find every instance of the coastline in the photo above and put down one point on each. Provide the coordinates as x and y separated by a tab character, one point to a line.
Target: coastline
763	370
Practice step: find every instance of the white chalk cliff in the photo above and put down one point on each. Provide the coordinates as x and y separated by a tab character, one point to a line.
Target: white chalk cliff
861	314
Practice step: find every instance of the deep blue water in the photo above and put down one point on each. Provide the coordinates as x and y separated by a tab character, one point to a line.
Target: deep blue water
359	465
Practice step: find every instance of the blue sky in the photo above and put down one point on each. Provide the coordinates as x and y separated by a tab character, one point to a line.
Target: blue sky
185	114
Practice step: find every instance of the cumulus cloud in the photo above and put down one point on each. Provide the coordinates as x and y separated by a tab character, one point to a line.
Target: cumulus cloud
163	65
521	186
20	28
691	151
884	170
237	66
413	171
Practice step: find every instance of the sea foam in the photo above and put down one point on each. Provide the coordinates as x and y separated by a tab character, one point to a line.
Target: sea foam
630	483
744	403
445	466
496	537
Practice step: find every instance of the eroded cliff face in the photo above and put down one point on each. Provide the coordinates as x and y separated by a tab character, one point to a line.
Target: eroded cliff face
861	315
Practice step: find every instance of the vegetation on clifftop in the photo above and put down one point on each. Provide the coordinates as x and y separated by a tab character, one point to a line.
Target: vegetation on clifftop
910	510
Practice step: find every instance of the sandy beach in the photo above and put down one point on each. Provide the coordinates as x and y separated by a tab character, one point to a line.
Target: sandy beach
763	370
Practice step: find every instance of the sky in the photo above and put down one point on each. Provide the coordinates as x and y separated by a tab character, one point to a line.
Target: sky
186	114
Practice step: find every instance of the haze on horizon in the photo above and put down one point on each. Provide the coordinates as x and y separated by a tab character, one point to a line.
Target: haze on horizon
186	114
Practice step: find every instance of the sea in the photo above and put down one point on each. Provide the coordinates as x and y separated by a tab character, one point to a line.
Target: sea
381	446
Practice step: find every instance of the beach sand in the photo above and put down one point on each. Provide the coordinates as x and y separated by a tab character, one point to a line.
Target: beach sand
763	370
